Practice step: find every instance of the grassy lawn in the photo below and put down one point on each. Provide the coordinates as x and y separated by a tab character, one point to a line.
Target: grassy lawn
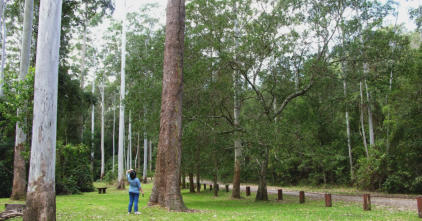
113	206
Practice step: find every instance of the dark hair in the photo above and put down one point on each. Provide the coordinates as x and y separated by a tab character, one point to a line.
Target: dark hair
132	174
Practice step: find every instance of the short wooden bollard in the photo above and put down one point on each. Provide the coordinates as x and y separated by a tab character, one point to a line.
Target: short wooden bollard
205	186
248	191
227	188
366	202
419	202
328	202
301	197
210	187
280	194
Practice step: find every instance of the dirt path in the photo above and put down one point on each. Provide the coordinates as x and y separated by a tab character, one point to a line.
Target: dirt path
395	203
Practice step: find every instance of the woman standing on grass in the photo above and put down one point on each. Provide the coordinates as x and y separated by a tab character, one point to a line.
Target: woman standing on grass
134	188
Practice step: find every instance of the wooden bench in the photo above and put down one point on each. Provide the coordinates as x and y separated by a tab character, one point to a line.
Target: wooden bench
102	190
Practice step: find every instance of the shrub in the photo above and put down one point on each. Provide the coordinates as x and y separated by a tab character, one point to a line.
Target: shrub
397	183
416	186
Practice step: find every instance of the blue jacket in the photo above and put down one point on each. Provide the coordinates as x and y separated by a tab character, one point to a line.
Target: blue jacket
134	184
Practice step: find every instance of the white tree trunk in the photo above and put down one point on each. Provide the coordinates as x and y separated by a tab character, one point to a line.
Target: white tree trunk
349	145
3	53
92	129
114	129
41	196
102	129
362	123
137	153
144	172
129	138
122	107
19	173
370	121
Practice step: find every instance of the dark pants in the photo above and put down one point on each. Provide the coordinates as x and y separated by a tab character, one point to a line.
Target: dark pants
133	197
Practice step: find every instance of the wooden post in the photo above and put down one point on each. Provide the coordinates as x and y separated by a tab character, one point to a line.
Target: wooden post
301	197
227	188
328	202
205	186
210	187
280	194
248	191
366	202
419	202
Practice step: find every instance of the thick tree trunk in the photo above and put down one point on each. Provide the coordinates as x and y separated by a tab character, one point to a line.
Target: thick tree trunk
362	123
41	196
166	189
102	131
120	176
145	169
19	168
191	183
262	193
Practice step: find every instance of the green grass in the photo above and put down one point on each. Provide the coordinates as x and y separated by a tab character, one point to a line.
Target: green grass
113	206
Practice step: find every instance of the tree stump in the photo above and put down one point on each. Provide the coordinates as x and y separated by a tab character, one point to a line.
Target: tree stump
248	191
301	197
366	202
280	194
419	202
328	202
227	188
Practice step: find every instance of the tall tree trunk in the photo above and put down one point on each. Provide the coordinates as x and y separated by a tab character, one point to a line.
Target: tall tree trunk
102	130
370	122
349	145
197	163
114	128
19	168
215	175
191	183
129	138
166	189
388	113
262	194
120	176
3	47
41	195
150	156
138	155
362	123
236	124
92	131
145	169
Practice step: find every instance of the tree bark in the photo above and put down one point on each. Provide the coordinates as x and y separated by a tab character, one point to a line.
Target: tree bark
19	168
120	176
362	123
41	196
197	162
370	121
166	189
114	129
150	156
102	130
3	47
191	183
262	194
92	131
129	138
349	145
144	175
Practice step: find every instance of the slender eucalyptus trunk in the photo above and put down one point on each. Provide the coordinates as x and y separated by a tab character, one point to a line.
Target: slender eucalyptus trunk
362	123
236	122
197	163
388	113
370	121
3	53
349	145
120	180
41	195
92	130
144	172
150	156
129	138
102	131
138	155
19	168
166	189
114	129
